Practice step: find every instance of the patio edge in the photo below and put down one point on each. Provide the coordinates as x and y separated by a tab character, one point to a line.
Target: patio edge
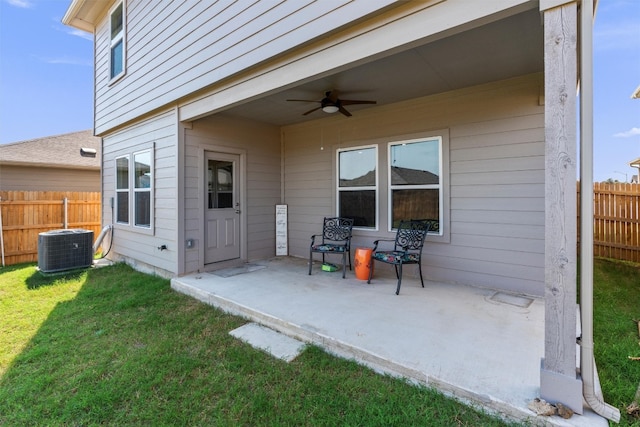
367	358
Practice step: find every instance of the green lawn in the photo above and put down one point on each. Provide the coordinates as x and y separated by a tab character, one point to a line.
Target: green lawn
616	297
112	346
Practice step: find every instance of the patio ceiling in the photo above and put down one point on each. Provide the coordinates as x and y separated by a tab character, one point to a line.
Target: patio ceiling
498	50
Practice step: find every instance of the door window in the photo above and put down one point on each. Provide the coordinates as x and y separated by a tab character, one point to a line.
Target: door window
220	184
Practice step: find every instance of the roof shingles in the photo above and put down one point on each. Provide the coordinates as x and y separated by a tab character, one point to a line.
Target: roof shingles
54	151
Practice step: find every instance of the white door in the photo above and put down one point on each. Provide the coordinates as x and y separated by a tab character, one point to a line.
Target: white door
222	207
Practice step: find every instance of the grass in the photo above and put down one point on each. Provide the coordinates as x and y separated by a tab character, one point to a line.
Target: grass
112	346
616	297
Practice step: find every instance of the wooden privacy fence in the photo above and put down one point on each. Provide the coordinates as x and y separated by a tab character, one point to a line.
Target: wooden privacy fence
616	216
26	214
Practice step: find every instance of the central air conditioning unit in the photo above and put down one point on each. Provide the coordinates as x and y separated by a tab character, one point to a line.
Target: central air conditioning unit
60	250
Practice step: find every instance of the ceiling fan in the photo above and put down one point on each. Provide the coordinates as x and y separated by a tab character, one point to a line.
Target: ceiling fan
332	104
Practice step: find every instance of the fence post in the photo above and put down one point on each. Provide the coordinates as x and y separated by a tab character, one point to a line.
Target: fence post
66	212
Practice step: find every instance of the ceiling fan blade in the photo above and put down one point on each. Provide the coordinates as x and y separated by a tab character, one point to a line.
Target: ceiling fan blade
311	111
344	111
331	100
355	101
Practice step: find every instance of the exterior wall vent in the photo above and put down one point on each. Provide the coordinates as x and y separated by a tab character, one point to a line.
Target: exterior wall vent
60	250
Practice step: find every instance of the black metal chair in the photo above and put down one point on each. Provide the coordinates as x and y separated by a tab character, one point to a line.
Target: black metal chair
336	239
407	248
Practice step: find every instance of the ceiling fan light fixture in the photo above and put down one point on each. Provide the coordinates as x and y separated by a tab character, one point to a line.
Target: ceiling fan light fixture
331	104
330	109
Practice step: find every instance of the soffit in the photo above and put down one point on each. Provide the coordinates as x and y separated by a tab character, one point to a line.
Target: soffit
499	50
84	14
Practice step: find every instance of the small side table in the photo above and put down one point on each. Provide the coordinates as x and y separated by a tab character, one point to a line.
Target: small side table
363	263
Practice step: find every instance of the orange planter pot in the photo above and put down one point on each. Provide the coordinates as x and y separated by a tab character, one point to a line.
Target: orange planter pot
363	263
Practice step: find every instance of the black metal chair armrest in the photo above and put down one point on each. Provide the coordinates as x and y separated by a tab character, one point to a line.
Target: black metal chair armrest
376	242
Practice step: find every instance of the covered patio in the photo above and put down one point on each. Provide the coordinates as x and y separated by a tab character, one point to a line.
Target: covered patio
457	339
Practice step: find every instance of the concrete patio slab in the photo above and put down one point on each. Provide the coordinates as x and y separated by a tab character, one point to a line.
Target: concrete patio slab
465	341
275	343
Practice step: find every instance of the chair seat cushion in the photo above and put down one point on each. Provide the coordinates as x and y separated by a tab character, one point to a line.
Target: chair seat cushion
328	247
397	257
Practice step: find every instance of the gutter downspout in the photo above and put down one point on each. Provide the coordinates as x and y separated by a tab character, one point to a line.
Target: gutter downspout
591	395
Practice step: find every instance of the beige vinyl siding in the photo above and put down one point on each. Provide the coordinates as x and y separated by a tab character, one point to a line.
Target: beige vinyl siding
260	143
158	133
174	49
26	178
496	165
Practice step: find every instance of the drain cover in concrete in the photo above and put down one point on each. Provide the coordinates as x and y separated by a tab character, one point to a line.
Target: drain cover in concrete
516	300
274	343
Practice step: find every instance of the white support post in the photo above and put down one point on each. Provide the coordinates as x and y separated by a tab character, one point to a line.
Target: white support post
558	378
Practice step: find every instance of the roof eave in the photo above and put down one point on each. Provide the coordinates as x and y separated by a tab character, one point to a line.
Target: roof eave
79	15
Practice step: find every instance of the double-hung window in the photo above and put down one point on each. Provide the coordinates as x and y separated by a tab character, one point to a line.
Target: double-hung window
134	189
142	189
415	183
117	27
122	190
358	185
407	180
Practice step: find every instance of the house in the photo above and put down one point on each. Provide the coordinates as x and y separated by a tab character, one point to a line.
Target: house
213	113
635	164
68	162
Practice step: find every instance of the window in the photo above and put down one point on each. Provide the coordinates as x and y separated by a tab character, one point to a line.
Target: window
142	189
358	185
407	179
122	190
220	184
134	187
415	184
117	41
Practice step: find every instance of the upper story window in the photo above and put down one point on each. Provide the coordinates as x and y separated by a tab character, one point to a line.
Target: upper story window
415	183
358	185
117	41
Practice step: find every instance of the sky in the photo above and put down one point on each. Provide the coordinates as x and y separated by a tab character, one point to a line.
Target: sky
46	78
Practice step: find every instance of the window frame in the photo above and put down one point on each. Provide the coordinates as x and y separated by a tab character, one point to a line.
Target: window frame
136	189
375	187
132	190
439	186
123	190
120	37
383	203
